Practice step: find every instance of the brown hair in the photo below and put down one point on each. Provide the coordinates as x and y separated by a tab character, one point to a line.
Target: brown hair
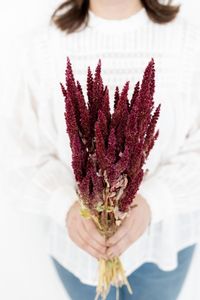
76	13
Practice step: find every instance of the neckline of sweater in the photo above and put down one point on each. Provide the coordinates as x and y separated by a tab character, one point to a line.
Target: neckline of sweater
113	25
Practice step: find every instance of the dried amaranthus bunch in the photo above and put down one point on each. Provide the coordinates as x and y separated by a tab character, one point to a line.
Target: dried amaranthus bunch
109	152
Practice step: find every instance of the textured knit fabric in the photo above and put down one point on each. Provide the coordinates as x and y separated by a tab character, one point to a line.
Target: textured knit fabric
36	151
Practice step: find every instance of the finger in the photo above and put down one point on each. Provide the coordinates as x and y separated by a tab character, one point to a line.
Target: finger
91	242
83	245
120	233
120	247
93	231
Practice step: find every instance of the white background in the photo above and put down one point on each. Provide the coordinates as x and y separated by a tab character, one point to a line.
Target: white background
25	270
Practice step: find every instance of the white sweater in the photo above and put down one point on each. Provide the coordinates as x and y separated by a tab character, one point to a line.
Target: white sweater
37	155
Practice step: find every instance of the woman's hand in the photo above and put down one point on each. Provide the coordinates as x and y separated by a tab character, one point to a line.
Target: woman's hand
131	229
84	233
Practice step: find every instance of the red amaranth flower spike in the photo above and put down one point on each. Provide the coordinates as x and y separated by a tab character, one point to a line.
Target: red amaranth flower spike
135	95
121	106
103	124
83	113
146	100
90	87
120	130
111	150
100	147
70	118
72	90
149	139
64	92
79	158
98	93
130	192
116	97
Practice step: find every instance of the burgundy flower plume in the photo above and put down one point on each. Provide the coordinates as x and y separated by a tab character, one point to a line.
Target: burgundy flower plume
105	146
109	151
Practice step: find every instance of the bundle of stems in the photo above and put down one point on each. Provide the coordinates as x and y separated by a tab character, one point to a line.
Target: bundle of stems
109	151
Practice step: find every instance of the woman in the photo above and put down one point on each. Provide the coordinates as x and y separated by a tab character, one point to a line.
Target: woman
157	242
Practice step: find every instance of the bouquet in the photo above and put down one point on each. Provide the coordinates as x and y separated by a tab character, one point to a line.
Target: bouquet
108	153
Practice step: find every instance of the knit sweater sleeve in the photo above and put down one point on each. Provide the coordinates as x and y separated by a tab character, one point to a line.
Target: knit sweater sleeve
36	180
174	187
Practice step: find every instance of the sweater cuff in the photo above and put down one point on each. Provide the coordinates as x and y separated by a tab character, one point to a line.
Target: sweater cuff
159	198
60	202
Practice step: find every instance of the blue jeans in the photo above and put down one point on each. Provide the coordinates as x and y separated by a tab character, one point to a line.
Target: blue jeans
148	281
